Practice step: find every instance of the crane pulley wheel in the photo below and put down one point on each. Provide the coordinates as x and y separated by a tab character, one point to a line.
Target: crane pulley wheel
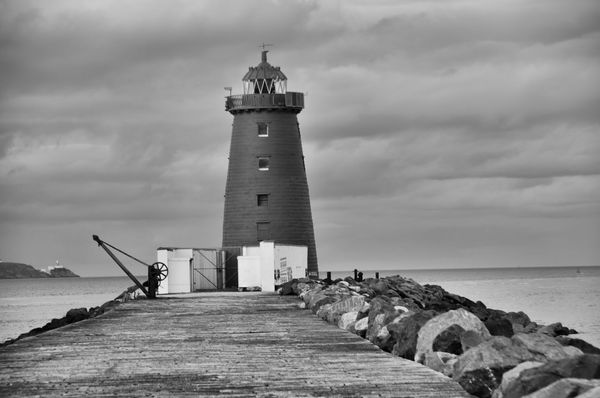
163	271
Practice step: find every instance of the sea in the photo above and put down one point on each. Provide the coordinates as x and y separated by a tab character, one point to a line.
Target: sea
547	294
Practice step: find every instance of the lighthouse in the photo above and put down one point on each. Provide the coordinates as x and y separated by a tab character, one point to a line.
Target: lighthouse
266	194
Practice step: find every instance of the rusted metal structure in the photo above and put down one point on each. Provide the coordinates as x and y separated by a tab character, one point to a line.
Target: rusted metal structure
266	195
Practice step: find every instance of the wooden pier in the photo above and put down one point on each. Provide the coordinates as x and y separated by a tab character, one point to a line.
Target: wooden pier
209	344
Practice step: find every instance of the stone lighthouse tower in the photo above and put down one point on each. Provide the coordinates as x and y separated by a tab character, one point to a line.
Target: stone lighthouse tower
266	196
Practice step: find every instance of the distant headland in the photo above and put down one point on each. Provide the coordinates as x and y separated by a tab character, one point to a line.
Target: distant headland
9	270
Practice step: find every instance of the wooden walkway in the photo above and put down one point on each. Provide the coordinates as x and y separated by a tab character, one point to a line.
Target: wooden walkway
229	344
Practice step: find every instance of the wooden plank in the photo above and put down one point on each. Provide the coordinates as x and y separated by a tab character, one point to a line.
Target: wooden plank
230	344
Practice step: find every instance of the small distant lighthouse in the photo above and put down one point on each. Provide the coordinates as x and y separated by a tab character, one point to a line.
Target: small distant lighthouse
266	195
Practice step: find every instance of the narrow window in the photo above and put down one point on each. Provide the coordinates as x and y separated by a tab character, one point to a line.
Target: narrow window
263	163
262	199
263	129
263	231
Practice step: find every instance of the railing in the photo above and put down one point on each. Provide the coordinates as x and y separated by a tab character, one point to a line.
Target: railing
248	101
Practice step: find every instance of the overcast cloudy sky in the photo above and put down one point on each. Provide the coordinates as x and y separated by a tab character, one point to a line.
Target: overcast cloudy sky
436	133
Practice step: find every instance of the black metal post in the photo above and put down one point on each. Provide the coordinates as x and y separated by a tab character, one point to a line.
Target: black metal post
376	275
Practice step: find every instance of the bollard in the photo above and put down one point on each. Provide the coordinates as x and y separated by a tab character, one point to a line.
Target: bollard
376	275
329	275
355	273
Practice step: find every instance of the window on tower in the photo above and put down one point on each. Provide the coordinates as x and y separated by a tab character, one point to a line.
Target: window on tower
263	129
263	163
262	200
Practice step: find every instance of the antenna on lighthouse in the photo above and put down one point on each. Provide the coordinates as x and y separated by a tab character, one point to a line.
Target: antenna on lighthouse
264	46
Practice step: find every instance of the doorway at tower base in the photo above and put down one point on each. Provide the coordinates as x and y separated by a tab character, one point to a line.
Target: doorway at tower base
271	264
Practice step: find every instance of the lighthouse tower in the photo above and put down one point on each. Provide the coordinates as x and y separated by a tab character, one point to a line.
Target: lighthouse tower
266	195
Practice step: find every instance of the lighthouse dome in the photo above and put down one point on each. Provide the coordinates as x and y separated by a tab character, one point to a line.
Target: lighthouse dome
264	78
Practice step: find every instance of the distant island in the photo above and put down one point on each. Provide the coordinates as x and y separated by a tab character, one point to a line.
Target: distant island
9	270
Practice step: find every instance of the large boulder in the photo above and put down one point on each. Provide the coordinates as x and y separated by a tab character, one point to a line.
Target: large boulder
480	369
586	366
77	314
360	327
565	388
405	333
352	303
321	300
518	318
556	329
512	375
499	327
347	320
545	346
438	324
583	345
382	311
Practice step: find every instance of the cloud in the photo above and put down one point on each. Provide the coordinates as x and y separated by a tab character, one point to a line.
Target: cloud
453	130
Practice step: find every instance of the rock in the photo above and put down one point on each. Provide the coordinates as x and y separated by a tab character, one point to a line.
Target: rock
556	329
319	301
287	289
583	345
77	314
360	327
449	340
302	286
302	305
324	311
381	313
586	366
348	319
442	362
405	333
518	318
401	308
470	339
352	303
499	327
544	345
436	325
513	374
564	388
593	393
481	382
531	328
479	370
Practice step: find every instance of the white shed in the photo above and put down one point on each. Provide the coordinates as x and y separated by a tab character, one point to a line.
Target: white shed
271	264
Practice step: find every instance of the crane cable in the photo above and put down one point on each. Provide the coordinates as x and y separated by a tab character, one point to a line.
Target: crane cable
126	254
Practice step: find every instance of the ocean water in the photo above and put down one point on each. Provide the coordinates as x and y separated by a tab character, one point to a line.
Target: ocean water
30	303
547	295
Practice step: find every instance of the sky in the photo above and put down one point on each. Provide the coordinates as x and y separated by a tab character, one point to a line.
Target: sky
437	134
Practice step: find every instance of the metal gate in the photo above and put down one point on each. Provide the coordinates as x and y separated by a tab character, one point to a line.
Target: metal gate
215	269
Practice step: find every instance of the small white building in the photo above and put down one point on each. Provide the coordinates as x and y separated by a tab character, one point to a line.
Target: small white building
271	264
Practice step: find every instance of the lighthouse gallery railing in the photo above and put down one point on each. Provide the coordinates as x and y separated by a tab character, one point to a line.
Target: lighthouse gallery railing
287	100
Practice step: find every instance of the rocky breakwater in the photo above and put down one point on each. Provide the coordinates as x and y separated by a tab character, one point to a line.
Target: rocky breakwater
490	353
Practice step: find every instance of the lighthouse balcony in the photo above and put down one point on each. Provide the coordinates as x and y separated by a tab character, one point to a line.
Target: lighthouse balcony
289	100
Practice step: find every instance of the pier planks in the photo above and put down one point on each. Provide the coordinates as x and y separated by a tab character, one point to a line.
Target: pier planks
229	344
